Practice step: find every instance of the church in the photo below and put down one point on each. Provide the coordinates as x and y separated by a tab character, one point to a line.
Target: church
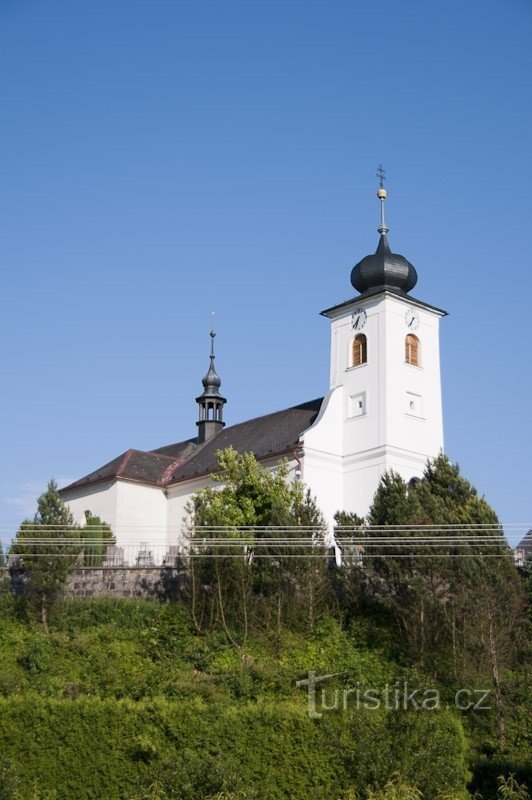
383	410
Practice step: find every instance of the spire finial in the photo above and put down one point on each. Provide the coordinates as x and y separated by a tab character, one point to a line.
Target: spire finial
213	332
382	194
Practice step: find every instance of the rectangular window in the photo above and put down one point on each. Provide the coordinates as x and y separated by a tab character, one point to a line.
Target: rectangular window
357	405
414	405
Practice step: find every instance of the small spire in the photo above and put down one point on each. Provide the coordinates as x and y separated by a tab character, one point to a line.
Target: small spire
210	401
213	332
382	194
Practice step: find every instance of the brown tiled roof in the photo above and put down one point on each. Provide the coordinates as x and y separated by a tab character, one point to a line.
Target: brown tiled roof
133	464
270	435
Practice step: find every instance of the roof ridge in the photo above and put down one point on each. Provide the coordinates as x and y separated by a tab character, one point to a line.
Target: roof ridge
266	435
190	440
124	461
273	413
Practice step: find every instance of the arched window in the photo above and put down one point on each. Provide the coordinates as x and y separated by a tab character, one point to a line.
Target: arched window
360	350
412	354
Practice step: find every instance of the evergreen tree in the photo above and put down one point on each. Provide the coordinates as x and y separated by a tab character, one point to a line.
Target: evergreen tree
99	537
42	563
459	608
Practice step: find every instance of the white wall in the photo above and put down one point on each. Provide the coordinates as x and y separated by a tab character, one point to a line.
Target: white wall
140	514
178	496
99	499
368	425
322	459
135	512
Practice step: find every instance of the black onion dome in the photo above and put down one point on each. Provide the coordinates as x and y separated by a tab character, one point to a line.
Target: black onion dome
384	270
212	381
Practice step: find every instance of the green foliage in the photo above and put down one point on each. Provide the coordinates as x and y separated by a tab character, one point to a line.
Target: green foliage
99	537
8	779
41	567
138	700
250	495
258	581
439	602
123	699
110	749
395	789
510	789
45	555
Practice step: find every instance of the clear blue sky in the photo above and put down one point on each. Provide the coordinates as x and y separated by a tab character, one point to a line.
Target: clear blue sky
163	159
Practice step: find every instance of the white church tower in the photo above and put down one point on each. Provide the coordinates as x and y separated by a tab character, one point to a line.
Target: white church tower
383	411
384	407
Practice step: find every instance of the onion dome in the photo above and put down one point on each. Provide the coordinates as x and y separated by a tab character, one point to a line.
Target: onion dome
211	381
384	269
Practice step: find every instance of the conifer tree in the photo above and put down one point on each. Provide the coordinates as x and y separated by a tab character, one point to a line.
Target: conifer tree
466	601
41	563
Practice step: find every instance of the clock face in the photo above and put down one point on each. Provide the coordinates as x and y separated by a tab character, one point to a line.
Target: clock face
412	319
358	320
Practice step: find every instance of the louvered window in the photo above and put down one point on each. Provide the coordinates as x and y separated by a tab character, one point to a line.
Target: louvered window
360	350
412	355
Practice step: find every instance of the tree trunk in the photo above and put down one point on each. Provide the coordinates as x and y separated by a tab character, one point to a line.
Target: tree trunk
222	613
44	615
197	625
422	632
310	604
453	632
496	682
245	610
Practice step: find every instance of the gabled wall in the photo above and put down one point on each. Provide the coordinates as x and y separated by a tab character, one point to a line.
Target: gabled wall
323	455
135	512
100	499
140	514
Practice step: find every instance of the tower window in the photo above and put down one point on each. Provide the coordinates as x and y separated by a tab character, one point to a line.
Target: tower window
360	350
412	350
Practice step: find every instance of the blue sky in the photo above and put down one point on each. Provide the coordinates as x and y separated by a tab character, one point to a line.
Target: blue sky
163	159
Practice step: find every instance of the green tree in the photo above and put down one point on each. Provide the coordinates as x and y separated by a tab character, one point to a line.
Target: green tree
96	536
401	576
41	561
460	608
261	581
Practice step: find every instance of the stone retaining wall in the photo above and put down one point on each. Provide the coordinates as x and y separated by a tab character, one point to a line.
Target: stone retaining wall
155	582
160	583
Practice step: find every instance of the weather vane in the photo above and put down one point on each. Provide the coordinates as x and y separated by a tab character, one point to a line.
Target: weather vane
382	195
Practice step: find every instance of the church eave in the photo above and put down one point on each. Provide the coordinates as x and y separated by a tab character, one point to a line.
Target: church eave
370	295
263	457
109	479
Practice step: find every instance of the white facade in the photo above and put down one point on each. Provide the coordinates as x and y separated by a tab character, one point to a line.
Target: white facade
142	514
383	414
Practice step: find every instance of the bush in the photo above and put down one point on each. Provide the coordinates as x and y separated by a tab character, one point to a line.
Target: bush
91	748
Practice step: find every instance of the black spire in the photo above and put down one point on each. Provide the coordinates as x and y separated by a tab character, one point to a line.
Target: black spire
383	270
211	382
210	401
